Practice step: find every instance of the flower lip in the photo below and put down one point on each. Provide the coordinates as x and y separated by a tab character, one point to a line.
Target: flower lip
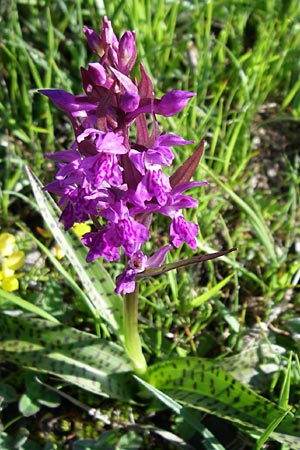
125	282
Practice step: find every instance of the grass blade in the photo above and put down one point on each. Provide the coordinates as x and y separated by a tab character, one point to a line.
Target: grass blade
27	306
203	298
257	222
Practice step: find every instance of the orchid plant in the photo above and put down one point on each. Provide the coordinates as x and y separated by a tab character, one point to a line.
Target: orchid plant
113	172
113	180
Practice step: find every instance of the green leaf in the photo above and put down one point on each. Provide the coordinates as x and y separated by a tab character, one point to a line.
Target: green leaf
202	384
270	428
249	363
38	393
286	385
28	406
130	441
95	279
77	357
16	442
209	440
49	399
24	304
7	394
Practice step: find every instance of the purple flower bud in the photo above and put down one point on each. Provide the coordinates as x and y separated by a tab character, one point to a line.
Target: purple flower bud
109	43
73	105
169	105
129	101
94	41
108	36
97	74
127	52
173	102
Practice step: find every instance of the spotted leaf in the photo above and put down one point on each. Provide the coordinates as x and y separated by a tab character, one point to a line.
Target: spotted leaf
202	384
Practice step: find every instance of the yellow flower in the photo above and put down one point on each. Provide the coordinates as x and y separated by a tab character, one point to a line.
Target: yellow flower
81	228
10	284
11	259
7	244
58	252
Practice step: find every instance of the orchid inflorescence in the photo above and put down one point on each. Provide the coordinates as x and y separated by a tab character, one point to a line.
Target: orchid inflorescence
112	173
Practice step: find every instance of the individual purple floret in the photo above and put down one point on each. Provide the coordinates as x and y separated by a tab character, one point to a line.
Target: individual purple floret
137	264
113	173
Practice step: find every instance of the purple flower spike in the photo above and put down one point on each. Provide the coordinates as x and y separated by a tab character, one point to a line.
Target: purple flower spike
114	172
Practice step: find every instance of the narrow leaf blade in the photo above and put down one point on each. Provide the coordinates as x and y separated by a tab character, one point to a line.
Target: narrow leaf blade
24	304
182	263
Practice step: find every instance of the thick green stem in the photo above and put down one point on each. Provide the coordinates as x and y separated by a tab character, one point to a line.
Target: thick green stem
131	334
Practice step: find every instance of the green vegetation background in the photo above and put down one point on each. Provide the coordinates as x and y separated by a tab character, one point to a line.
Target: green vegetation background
242	60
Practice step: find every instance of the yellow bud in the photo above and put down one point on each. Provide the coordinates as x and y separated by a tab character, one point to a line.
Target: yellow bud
7	244
58	252
15	261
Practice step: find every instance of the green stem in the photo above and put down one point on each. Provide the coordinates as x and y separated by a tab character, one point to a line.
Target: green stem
133	344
